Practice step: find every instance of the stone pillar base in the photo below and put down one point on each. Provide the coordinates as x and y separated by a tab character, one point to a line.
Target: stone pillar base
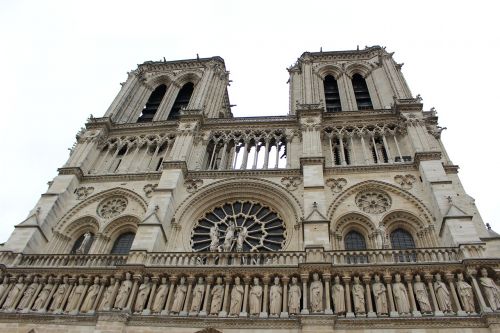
223	314
394	314
263	315
304	311
284	315
372	315
202	313
193	314
328	311
361	315
243	314
416	314
350	315
438	313
183	314
146	312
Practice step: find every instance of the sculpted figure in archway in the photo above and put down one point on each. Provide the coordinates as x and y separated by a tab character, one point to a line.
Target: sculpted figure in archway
338	296
380	296
198	292
75	296
214	238
179	296
44	294
400	296
236	298
381	236
240	240
442	294
11	297
4	285
217	297
123	293
294	295
466	294
275	298
160	297
490	289
28	293
91	296
421	295
229	237
358	296
58	297
87	238
107	301
255	298
316	294
142	295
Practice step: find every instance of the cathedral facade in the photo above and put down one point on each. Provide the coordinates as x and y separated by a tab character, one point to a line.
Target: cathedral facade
171	215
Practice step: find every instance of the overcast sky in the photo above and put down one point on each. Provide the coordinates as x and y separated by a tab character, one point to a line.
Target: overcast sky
64	60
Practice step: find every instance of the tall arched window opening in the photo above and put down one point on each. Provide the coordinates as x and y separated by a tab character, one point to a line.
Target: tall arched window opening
152	104
354	241
332	95
361	93
182	100
83	243
402	239
123	243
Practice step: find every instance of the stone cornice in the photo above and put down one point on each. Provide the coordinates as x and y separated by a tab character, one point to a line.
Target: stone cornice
122	177
178	64
169	165
210	174
313	160
76	171
349	169
426	156
451	168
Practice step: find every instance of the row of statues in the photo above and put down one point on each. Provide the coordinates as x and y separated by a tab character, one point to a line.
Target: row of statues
240	297
234	238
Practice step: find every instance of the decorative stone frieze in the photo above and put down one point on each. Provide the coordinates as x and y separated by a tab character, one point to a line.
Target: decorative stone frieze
291	183
336	184
406	181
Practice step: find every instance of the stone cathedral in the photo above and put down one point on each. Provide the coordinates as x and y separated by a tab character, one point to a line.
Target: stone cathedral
171	215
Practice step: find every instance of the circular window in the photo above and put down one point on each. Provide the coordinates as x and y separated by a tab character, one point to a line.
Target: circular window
373	202
112	207
240	226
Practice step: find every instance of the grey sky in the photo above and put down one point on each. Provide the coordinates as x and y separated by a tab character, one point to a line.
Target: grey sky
63	60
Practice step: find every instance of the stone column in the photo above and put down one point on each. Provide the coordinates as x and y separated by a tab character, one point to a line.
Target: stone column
392	309
223	312
411	295
131	298
203	312
154	281
363	146
450	278
173	281
246	281
479	295
367	279
284	311
244	161
386	146
428	278
327	277
347	289
305	309
185	309
265	281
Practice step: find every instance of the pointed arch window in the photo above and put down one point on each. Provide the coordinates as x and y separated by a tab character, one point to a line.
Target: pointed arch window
83	243
182	100
332	95
361	93
152	104
123	243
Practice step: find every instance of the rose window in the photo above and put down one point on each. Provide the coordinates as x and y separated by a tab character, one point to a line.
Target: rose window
373	202
240	226
112	207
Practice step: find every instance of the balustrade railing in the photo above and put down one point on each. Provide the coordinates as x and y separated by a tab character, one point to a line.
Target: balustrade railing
70	260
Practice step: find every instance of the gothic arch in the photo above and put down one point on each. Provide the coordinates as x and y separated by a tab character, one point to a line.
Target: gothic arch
79	226
361	68
407	221
220	192
352	222
117	227
332	70
188	76
419	207
155	81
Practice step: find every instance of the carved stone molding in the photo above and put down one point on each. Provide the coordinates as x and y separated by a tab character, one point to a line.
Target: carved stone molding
291	182
149	189
406	181
336	184
83	192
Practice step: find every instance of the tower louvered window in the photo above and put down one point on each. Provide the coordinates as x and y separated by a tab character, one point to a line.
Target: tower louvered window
361	93
152	104
182	100
332	96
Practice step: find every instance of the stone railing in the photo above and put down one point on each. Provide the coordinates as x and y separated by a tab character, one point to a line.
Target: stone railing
69	260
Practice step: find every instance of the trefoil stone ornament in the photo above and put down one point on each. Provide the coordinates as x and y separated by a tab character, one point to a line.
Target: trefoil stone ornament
83	192
149	189
406	181
192	185
336	185
291	183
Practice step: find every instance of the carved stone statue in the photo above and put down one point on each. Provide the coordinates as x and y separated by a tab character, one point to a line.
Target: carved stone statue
442	294
58	297
91	296
379	290
214	238
123	293
236	298
11	297
4	286
198	292
28	293
83	248
338	296
275	298
255	298
242	235
75	296
160	297
217	296
421	295
179	296
294	295
43	294
142	295
106	302
381	235
491	290
400	296
229	237
465	293
316	294
358	296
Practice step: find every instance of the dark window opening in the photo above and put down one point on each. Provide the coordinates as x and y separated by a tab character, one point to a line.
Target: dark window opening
405	159
346	154
123	243
361	93
354	241
152	104
402	240
158	166
336	154
181	101
78	243
332	96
